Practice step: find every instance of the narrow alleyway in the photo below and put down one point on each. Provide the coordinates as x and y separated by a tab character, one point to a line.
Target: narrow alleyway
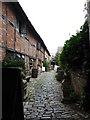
44	100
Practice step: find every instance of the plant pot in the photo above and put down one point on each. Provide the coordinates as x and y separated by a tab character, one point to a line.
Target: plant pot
34	73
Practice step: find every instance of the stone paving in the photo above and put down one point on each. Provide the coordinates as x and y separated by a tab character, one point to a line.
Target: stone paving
44	100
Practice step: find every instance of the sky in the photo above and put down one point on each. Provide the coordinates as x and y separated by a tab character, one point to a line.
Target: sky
55	20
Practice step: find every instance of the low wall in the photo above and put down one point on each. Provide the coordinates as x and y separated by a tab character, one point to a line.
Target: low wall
78	81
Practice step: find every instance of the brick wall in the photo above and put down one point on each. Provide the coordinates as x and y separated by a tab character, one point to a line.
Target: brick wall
3	40
10	36
22	44
2	26
10	14
0	31
26	46
18	42
42	54
4	9
10	27
2	53
12	39
33	48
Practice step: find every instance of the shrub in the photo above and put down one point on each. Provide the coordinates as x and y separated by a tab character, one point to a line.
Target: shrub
13	62
75	54
46	64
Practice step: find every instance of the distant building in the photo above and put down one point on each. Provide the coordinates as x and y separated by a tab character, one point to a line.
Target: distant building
47	57
59	49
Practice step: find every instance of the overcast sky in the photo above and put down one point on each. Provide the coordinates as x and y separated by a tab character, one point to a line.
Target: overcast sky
54	20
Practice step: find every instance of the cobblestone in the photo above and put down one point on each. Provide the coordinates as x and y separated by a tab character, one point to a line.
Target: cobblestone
44	100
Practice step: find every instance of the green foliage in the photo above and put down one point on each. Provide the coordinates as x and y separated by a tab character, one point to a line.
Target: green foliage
75	54
46	64
74	97
60	75
76	57
13	62
57	58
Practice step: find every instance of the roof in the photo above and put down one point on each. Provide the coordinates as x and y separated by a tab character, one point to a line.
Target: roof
21	13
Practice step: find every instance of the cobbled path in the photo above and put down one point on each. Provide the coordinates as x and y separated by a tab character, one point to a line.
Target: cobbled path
44	100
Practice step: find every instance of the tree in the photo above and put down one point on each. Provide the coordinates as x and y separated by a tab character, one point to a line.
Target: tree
75	52
57	58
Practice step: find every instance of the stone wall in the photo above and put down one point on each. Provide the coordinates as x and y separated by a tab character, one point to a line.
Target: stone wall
78	81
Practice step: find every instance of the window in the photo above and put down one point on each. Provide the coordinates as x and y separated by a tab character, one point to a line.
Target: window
33	45
20	27
18	55
9	54
17	25
38	46
23	57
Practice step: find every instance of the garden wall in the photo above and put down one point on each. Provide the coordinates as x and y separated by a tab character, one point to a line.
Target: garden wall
78	81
